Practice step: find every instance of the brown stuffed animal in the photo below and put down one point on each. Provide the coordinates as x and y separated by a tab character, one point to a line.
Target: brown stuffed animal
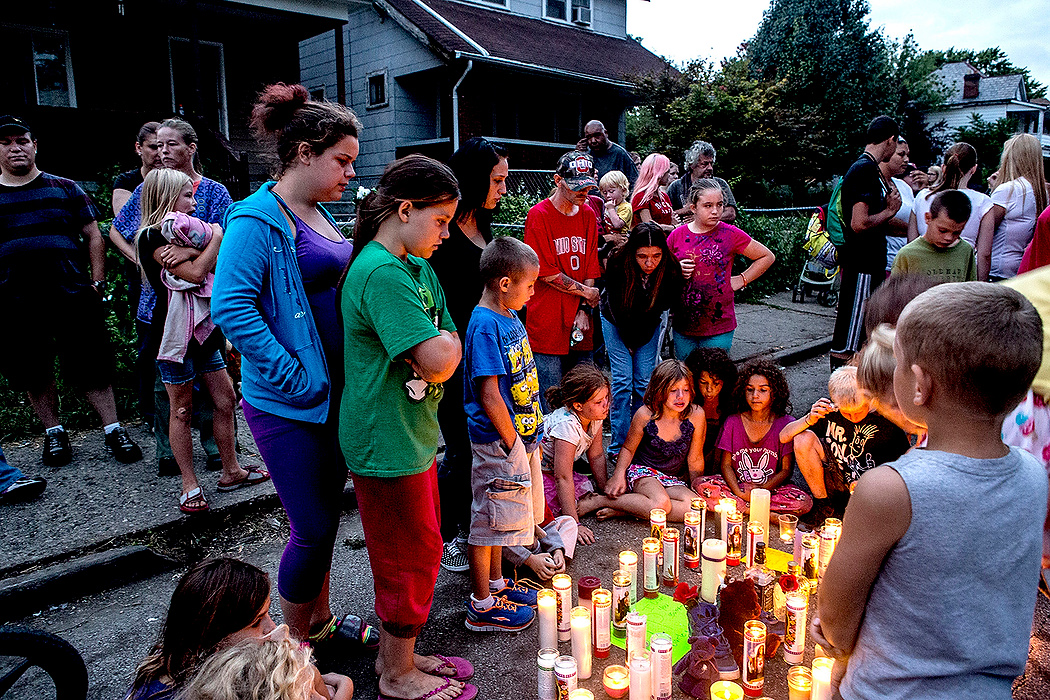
738	603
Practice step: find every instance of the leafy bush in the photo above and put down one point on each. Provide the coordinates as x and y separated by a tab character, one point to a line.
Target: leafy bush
782	235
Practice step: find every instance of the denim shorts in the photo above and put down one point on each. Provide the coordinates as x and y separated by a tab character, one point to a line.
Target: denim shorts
184	372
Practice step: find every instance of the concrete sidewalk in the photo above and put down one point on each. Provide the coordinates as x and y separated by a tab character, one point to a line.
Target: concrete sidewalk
96	511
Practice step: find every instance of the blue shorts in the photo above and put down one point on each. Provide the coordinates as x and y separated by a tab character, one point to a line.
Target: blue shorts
185	372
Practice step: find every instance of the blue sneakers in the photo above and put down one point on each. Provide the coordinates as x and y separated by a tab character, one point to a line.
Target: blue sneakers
503	616
517	594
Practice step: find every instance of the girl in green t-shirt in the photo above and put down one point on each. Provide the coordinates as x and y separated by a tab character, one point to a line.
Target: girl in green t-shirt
400	345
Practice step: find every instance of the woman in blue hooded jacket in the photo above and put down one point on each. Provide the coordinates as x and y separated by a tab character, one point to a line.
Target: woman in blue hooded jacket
275	299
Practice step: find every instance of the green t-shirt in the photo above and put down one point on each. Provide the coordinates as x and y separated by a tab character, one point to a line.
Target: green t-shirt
955	264
388	415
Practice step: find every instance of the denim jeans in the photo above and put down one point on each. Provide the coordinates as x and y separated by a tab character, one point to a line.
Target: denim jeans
8	474
685	344
631	370
550	368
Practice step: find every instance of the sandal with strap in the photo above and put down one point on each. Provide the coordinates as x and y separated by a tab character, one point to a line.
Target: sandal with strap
350	629
254	476
454	667
193	496
469	692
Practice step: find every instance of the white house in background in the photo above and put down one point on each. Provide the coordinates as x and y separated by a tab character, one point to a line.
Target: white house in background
991	97
424	75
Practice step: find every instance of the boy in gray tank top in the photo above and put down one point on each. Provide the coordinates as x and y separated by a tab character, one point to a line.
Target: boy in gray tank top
945	543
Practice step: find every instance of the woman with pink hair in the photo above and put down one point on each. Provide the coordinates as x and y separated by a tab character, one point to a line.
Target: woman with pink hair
649	202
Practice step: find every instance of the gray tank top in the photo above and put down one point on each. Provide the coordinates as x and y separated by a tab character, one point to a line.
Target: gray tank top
950	613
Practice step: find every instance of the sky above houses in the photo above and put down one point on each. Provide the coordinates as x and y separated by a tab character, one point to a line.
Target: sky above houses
682	30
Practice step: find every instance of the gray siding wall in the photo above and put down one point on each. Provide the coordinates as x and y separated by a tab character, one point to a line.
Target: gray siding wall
607	16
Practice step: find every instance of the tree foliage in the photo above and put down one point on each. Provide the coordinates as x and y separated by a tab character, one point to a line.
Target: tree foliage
987	138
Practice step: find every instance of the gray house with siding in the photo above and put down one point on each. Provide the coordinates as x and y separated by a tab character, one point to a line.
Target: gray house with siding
424	75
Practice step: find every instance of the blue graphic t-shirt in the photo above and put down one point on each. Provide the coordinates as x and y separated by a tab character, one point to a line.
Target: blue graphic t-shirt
497	346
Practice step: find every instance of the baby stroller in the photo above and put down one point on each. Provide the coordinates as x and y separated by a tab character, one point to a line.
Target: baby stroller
820	274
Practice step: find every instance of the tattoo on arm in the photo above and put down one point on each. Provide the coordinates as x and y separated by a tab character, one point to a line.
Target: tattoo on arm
564	283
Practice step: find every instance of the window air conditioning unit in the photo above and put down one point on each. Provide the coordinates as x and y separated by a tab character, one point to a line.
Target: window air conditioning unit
581	15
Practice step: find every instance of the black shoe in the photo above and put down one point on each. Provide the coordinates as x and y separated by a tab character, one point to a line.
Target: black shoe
122	447
25	489
214	463
57	451
167	466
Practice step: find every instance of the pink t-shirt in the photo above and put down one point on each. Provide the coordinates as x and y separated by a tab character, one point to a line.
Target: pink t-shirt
706	305
754	462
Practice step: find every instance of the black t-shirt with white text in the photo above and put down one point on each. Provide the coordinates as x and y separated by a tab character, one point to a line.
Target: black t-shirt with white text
850	449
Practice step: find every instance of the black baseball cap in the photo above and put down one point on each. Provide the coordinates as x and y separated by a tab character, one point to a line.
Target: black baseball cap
11	123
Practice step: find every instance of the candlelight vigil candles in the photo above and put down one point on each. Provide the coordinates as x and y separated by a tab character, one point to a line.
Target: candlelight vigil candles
795	627
754	658
725	507
810	554
641	678
580	620
616	681
581	694
584	587
636	623
547	610
691	538
800	683
601	622
726	690
734	537
621	602
712	569
760	510
671	545
821	686
565	675
788	522
547	687
657	523
650	567
754	536
699	505
629	563
660	650
563	587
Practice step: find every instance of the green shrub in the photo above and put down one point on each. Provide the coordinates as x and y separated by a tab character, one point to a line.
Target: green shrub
782	235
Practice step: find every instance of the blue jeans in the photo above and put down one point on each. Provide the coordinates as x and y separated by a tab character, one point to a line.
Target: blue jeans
685	344
631	370
549	370
8	474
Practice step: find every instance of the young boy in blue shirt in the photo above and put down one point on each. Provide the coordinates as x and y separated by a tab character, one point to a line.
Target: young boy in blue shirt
501	397
931	589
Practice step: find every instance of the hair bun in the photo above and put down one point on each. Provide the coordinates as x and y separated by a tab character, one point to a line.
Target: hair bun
275	107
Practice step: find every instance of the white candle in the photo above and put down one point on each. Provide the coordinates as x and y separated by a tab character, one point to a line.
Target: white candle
712	569
724	507
629	563
821	679
547	609
580	619
641	678
760	510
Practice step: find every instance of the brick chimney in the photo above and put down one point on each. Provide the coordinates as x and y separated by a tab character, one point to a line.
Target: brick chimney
971	85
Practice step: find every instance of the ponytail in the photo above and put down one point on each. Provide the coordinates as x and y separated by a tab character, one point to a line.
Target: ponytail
416	179
577	386
958	160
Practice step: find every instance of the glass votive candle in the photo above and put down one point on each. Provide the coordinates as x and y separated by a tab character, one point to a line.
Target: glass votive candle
615	680
581	694
821	680
800	682
726	690
788	523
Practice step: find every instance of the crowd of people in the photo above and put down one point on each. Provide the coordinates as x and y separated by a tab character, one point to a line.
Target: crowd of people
356	353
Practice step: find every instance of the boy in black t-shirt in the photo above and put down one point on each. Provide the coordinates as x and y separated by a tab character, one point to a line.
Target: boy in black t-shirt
840	439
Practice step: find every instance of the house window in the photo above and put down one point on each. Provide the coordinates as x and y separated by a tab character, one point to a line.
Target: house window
581	12
555	9
53	70
317	94
377	90
198	82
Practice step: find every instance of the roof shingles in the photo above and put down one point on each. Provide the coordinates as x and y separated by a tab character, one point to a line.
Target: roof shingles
531	40
1000	88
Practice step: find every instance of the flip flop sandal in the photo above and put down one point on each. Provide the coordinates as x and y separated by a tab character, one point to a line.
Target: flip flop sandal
454	667
254	477
193	496
350	629
469	692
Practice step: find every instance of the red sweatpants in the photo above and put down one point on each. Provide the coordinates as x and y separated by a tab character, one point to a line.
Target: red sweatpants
402	523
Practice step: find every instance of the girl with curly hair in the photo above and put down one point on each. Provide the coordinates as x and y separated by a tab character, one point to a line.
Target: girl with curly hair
753	456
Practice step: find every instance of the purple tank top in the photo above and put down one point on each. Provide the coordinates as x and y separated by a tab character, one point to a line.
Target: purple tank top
321	263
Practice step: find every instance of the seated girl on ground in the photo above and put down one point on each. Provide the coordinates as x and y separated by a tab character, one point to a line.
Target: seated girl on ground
753	456
217	604
574	427
714	377
664	447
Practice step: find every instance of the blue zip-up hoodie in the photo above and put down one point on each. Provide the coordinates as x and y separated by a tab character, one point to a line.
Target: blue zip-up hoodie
260	304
